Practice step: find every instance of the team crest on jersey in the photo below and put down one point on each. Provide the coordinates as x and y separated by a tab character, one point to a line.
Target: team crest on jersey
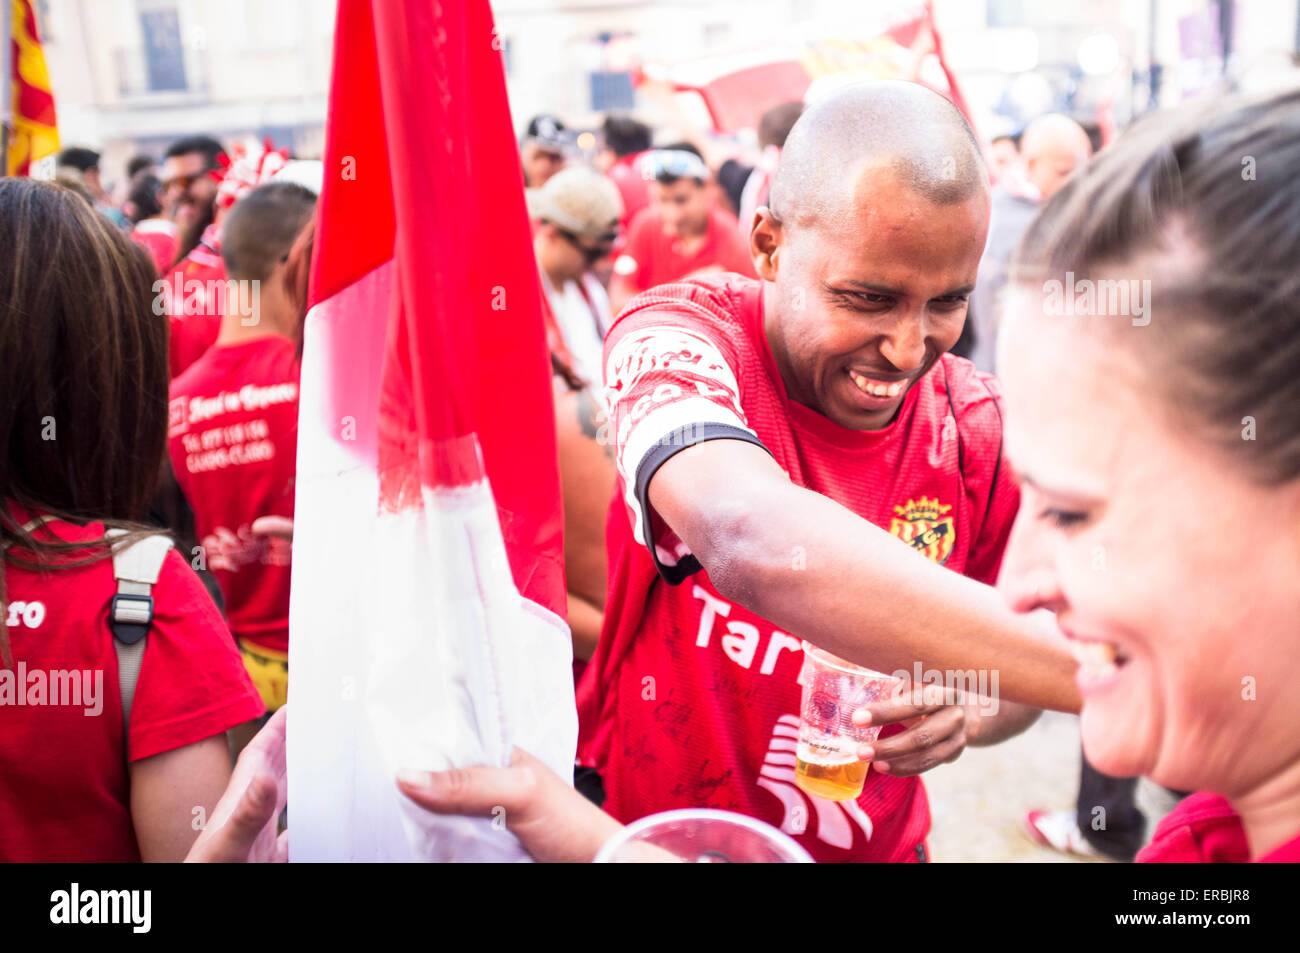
925	526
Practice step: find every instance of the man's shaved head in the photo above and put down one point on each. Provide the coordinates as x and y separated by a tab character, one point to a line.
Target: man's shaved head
916	134
1054	131
1052	147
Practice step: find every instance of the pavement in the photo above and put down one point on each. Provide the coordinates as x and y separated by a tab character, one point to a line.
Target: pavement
979	802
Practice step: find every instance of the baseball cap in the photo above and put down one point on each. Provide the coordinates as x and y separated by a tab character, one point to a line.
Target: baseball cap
548	132
579	200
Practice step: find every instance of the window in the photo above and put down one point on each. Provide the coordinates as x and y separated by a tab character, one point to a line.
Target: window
164	57
611	91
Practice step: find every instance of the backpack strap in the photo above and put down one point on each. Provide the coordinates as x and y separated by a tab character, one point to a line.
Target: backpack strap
136	568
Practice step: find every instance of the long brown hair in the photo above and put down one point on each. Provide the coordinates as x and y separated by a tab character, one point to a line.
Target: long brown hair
83	397
1207	200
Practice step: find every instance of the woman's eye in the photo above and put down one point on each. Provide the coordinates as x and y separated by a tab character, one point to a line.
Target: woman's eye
1063	519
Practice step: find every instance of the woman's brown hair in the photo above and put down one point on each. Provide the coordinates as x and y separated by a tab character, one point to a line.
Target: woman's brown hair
1205	203
83	395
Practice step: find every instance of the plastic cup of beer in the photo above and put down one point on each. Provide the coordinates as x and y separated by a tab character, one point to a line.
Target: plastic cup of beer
701	836
826	760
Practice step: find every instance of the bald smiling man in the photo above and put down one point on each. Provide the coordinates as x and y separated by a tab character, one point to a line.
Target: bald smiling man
799	458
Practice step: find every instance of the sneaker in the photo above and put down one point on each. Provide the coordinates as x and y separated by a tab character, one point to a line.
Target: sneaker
1059	830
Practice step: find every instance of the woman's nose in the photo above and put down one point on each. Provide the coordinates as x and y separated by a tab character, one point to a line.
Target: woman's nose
1027	579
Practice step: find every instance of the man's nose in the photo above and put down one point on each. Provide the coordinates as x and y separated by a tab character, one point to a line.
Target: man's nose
905	347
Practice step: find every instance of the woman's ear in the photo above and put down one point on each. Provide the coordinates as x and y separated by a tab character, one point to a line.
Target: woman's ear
765	237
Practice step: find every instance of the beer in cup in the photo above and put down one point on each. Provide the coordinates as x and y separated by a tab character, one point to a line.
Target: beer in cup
826	761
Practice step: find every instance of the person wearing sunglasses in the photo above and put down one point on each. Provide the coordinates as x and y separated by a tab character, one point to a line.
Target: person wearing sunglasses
190	188
681	233
577	211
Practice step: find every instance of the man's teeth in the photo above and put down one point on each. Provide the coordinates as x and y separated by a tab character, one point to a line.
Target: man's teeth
876	388
1098	658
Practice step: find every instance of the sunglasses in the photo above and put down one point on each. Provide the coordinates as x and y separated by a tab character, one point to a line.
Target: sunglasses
182	182
591	253
669	165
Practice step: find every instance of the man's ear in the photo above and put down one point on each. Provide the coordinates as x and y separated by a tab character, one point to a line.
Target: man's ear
765	237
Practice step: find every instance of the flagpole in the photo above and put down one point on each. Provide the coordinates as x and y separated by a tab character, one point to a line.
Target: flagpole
6	81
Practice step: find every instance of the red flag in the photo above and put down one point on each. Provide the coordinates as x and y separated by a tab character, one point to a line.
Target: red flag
428	546
442	151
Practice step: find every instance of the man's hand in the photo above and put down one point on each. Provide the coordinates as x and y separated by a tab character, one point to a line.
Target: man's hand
553	821
242	828
935	720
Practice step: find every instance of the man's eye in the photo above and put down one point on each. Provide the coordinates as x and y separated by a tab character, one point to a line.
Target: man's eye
1063	519
860	298
950	303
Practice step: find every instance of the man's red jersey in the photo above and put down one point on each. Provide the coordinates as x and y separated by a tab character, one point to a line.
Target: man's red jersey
194	301
233	439
626	175
652	257
691	699
65	792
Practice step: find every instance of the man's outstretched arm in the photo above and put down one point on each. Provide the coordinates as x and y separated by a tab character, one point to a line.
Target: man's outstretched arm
858	591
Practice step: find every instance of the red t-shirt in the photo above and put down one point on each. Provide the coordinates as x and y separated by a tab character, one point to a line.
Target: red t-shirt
653	258
691	699
1202	829
632	188
233	439
194	302
157	236
64	786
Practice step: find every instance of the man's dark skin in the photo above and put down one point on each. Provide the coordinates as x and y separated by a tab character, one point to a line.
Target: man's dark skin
878	219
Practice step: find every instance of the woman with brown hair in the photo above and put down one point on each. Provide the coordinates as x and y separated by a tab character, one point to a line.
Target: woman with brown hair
94	768
1150	357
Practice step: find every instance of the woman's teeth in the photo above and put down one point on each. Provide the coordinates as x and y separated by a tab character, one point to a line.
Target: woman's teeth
1098	659
876	388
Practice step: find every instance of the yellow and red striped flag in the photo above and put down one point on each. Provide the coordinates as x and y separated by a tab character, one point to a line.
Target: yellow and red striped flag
34	131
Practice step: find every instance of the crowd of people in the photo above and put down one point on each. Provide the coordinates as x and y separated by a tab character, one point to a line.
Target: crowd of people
777	419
